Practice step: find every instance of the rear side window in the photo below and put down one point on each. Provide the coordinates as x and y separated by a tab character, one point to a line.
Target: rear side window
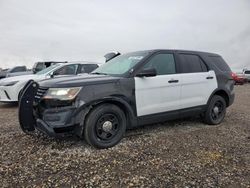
87	68
163	64
220	63
247	72
19	69
192	63
39	67
67	70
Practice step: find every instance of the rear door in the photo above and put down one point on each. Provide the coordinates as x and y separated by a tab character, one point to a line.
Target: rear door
160	93
198	82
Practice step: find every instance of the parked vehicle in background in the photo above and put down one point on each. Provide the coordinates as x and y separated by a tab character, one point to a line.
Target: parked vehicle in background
16	69
239	78
38	66
129	90
11	88
246	72
19	73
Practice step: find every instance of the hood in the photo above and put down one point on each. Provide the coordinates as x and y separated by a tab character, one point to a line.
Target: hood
77	81
20	78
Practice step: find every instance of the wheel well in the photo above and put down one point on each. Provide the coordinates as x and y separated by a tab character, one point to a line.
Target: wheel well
119	104
224	95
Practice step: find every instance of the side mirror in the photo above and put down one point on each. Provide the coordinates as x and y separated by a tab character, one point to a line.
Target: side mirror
147	73
111	55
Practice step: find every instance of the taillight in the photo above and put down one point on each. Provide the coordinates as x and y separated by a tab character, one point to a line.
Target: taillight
234	76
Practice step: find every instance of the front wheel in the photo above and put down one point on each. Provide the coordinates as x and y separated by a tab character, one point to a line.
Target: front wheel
105	126
216	110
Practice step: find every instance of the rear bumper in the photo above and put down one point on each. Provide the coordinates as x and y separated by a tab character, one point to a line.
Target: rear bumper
231	98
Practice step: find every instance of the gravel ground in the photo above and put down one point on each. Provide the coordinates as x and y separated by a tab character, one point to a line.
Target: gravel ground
183	153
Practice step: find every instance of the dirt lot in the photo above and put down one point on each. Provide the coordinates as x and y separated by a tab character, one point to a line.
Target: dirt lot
183	153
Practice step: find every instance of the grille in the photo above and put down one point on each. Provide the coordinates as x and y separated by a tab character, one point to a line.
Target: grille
40	93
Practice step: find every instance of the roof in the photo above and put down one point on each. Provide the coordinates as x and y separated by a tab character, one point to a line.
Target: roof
81	62
180	51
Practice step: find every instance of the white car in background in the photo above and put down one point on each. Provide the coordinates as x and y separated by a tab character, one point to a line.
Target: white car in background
10	88
246	73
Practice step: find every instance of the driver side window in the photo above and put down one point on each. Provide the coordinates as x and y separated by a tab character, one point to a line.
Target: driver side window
163	64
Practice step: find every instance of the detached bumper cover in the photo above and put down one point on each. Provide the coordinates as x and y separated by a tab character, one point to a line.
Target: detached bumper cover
43	127
56	121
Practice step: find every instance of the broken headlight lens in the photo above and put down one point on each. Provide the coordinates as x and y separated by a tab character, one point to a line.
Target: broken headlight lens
62	93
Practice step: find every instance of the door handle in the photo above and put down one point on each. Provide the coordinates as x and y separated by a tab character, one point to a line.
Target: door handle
210	77
173	81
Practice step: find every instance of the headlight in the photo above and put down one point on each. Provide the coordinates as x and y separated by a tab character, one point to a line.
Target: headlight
8	83
62	93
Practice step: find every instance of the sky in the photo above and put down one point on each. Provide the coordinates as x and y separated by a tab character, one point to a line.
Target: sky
63	30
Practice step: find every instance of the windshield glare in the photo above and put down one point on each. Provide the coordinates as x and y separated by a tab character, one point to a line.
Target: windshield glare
44	71
121	64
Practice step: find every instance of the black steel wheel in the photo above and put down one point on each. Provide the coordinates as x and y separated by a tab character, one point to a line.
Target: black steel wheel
105	126
216	110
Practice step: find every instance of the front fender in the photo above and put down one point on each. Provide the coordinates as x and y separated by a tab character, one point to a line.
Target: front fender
82	112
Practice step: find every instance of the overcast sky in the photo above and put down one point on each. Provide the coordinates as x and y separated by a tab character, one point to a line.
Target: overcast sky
41	30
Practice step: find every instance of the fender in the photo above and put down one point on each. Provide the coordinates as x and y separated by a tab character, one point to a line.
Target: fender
216	90
118	100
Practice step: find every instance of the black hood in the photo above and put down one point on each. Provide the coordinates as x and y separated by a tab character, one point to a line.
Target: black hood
77	81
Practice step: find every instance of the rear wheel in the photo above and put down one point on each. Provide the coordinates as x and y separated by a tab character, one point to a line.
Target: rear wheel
216	110
105	126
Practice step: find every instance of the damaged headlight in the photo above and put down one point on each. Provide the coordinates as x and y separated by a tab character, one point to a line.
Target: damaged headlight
62	93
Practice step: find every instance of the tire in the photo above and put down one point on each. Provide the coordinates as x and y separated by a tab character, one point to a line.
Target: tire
105	126
216	111
20	95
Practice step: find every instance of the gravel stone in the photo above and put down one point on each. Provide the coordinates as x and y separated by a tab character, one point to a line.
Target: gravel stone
182	153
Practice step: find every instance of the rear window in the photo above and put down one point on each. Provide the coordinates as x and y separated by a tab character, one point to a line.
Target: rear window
192	63
247	72
220	63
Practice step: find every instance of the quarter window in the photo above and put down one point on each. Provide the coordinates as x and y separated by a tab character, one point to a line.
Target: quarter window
220	63
192	63
163	64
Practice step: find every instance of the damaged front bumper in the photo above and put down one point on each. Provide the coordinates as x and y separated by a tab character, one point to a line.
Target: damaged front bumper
54	121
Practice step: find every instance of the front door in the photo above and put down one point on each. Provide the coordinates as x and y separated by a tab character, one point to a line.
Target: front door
160	93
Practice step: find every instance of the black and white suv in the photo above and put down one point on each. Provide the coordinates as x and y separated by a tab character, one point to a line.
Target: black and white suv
130	90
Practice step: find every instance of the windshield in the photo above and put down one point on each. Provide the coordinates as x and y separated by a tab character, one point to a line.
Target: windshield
121	64
44	71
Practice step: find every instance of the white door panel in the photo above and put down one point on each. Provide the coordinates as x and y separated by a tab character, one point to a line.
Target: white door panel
156	94
196	88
